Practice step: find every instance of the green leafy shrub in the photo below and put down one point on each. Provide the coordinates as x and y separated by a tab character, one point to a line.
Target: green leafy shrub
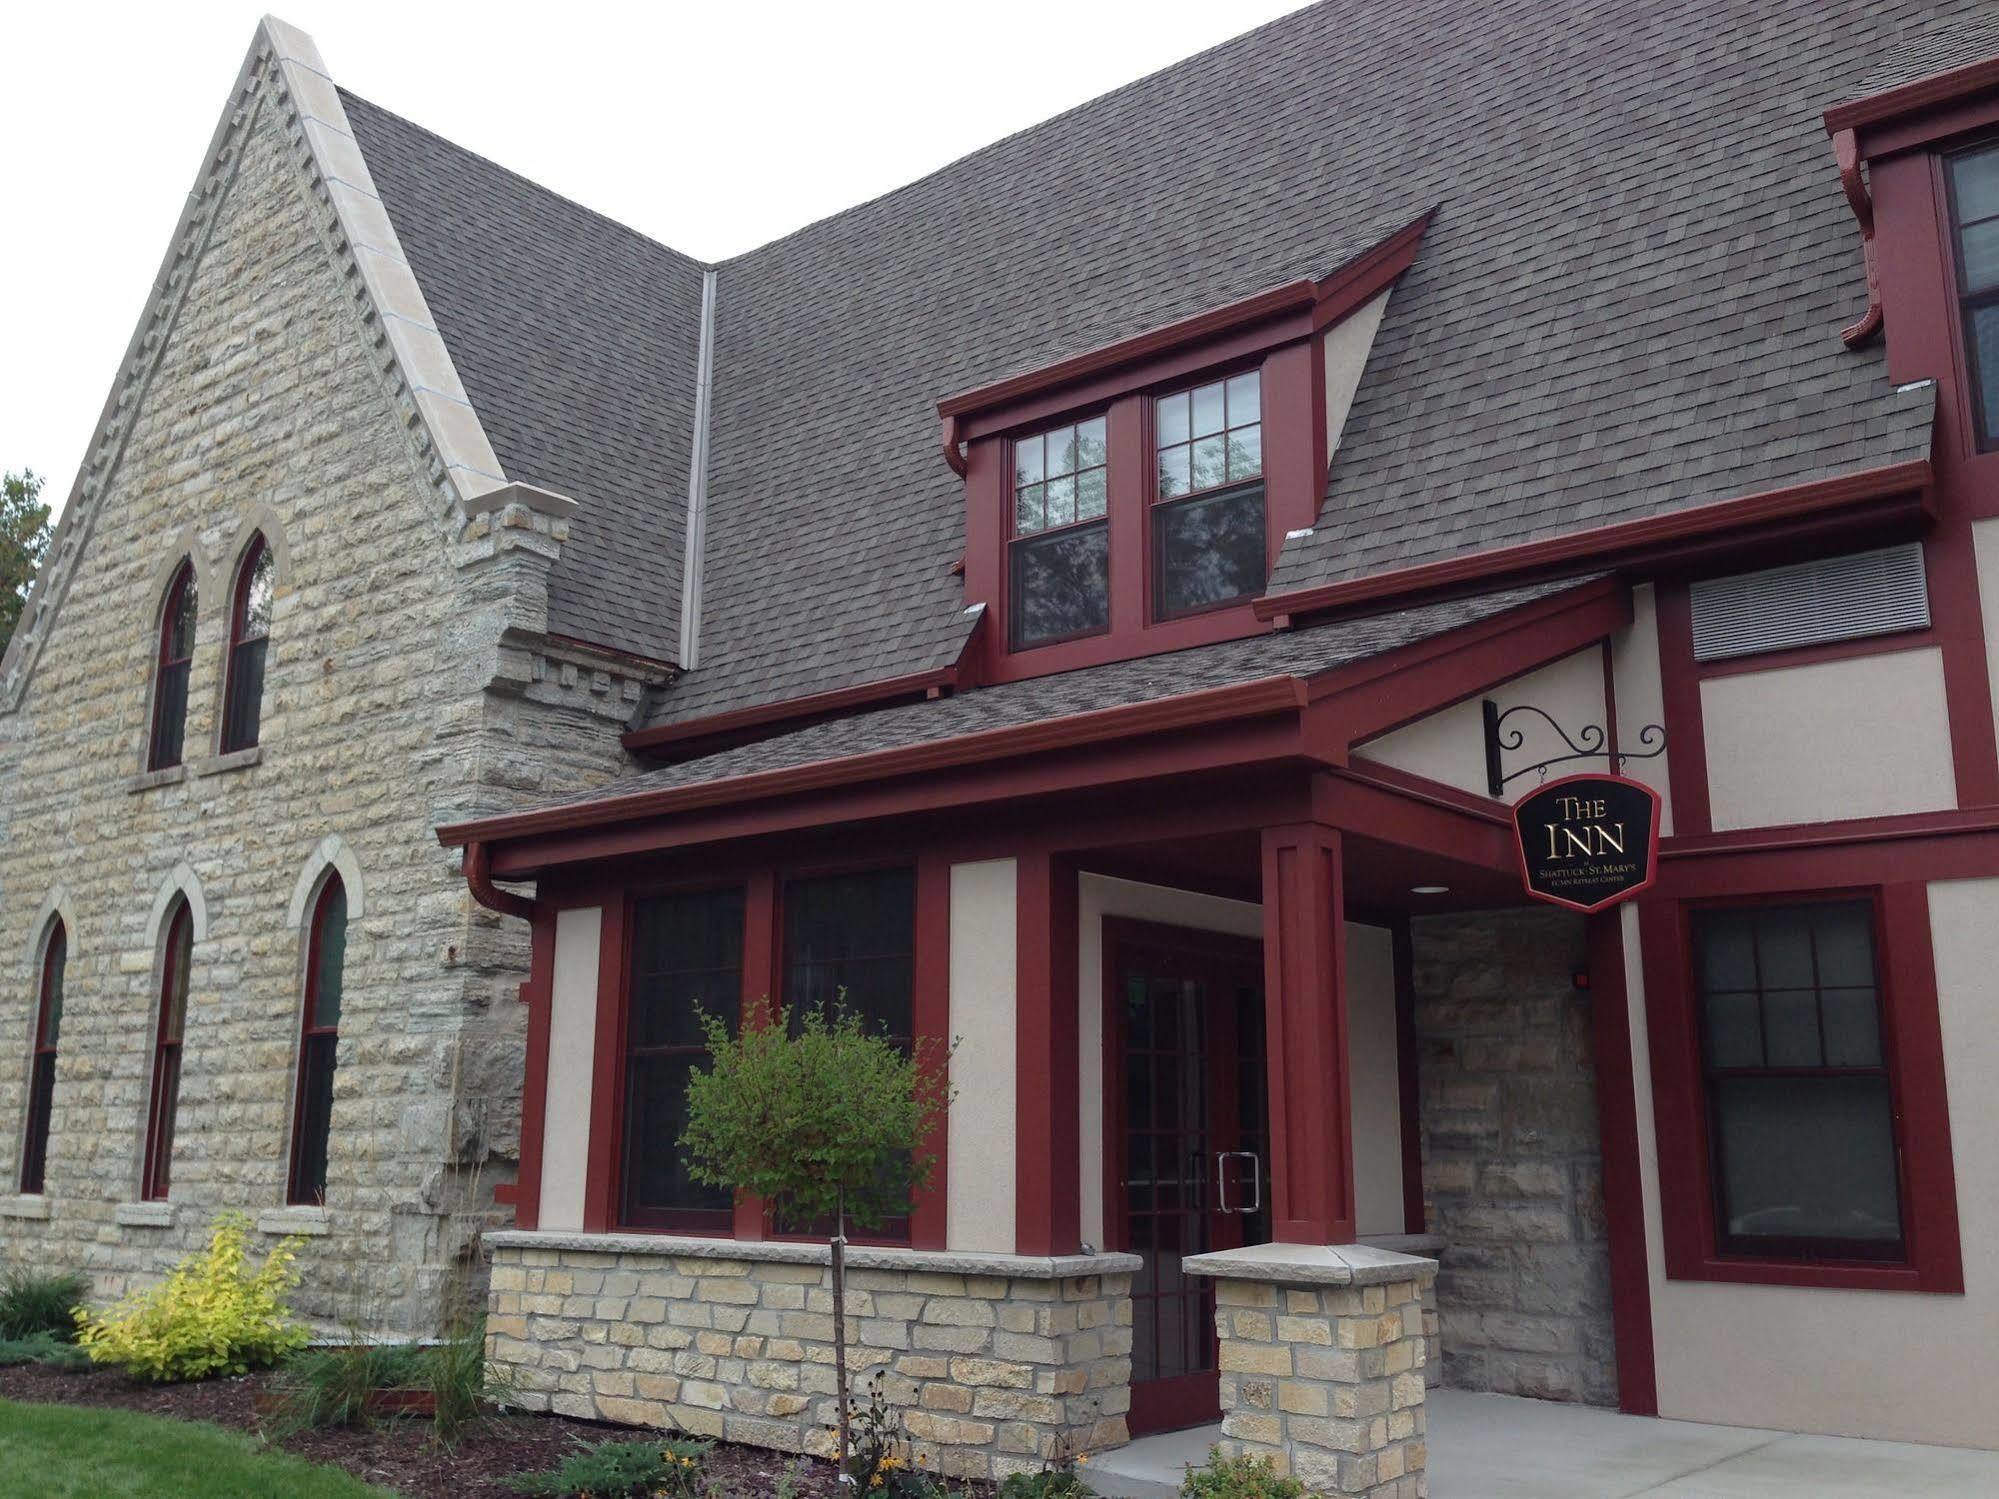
1061	1481
621	1470
1240	1478
212	1315
34	1302
42	1348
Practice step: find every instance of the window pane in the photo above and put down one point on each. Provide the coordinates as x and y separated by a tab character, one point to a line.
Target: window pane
1734	1030
1061	502
1980	256
1173	471
1172	420
1091	495
1211	462
1062	451
257	596
1027	460
1245	454
1807	1158
180	628
315	1118
1845	938
1245	399
243	712
1061	585
1091	451
1852	1028
1985	351
1208	550
1975	175
1784	949
1207	409
1791	1027
1727	949
332	957
857	933
173	1000
657	1178
1027	512
54	971
169	715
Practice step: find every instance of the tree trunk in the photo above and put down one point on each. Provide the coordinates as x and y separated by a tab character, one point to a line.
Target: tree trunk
840	1324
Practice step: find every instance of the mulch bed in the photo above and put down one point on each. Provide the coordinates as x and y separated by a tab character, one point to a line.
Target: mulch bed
400	1455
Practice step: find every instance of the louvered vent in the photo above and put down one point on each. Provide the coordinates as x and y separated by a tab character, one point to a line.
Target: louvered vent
1839	598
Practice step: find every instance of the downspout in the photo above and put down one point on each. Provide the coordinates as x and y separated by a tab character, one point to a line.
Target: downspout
1846	151
697	484
479	879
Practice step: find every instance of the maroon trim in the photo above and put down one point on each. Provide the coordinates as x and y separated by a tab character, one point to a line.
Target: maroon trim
605	1150
1912	1041
930	1016
478	870
762	938
1623	1179
1048	1132
1846	151
1408	1080
538	995
164	1095
1922	94
1893	493
700	736
1680	698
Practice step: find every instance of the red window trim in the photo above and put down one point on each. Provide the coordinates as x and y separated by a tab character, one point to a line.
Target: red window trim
762	970
155	751
308	1013
1912	1037
239	615
157	1177
35	1134
1963	301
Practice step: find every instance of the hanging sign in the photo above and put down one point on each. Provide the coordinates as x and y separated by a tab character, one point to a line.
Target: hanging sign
1587	842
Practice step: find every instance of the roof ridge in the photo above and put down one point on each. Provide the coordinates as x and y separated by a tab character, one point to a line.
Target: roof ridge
349	96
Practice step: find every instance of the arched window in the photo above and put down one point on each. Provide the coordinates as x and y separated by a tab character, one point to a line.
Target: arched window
249	635
312	1114
42	1078
166	1051
170	677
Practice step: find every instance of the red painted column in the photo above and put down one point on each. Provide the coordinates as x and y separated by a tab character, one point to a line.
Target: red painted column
1047	1131
1304	960
761	996
932	1018
607	1146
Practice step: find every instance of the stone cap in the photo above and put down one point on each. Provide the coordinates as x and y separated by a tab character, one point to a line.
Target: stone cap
794	1252
1312	1264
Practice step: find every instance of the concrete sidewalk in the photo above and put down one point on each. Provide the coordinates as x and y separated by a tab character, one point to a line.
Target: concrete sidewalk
1498	1447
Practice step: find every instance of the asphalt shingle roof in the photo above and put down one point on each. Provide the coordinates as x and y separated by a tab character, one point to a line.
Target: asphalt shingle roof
1628	302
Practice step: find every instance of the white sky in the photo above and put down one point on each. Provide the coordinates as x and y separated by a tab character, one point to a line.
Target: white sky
713	128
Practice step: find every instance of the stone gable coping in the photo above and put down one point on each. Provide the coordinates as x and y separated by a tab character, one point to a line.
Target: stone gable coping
1312	1265
793	1252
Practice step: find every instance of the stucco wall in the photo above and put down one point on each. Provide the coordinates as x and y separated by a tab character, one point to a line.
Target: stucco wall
979	1185
1864	737
270	406
1913	1368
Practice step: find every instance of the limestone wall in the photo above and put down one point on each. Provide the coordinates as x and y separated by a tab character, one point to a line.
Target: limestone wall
995	1363
1512	1167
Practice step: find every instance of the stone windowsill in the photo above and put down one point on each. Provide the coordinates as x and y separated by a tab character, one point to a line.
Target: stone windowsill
159	1214
1312	1265
147	780
241	759
309	1221
791	1252
24	1207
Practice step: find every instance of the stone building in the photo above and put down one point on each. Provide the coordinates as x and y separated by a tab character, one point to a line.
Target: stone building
1129	603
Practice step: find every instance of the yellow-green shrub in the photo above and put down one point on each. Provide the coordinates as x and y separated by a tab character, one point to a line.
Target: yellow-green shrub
211	1315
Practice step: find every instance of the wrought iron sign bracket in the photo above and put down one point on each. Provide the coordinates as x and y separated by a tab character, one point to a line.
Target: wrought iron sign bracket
1586	744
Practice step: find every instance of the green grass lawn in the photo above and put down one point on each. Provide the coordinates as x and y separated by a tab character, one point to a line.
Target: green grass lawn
83	1452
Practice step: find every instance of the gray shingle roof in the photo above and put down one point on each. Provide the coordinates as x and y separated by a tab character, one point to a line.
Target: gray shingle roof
1629	302
1938	44
1299	653
577	341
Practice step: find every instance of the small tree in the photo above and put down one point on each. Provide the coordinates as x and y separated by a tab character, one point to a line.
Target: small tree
24	536
822	1119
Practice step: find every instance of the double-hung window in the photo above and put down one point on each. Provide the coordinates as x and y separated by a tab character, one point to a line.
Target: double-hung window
171	671
1974	203
249	640
1800	1106
169	1026
319	1044
1060	555
42	1070
1207	511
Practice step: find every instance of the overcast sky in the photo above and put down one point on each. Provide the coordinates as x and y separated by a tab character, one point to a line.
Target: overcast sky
713	128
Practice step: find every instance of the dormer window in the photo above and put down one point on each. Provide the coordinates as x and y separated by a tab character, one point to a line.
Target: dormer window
1208	542
1060	555
1974	202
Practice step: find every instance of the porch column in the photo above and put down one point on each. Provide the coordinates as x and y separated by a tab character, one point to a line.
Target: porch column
1304	959
1047	1139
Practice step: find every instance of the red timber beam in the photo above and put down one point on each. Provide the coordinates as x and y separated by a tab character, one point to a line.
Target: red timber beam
1047	1115
1304	962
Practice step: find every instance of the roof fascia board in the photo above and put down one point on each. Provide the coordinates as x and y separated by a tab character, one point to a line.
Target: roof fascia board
660	737
1292	310
1937	89
1890	492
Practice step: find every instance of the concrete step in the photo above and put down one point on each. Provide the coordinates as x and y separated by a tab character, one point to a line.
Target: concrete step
1151	1467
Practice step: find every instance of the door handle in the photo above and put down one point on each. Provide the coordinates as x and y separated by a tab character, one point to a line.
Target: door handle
1222	1158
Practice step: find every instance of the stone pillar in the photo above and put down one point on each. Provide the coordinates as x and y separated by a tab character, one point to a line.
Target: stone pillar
1322	1358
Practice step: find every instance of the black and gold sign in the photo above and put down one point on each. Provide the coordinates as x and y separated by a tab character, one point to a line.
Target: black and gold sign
1587	842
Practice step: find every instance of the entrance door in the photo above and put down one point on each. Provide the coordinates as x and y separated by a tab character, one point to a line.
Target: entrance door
1185	1152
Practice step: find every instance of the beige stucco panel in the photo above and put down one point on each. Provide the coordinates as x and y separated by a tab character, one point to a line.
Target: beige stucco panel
572	1044
1912	1368
1449	745
979	1186
1865	737
1376	1088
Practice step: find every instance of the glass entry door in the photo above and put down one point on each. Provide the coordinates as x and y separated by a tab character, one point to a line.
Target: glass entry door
1186	1155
